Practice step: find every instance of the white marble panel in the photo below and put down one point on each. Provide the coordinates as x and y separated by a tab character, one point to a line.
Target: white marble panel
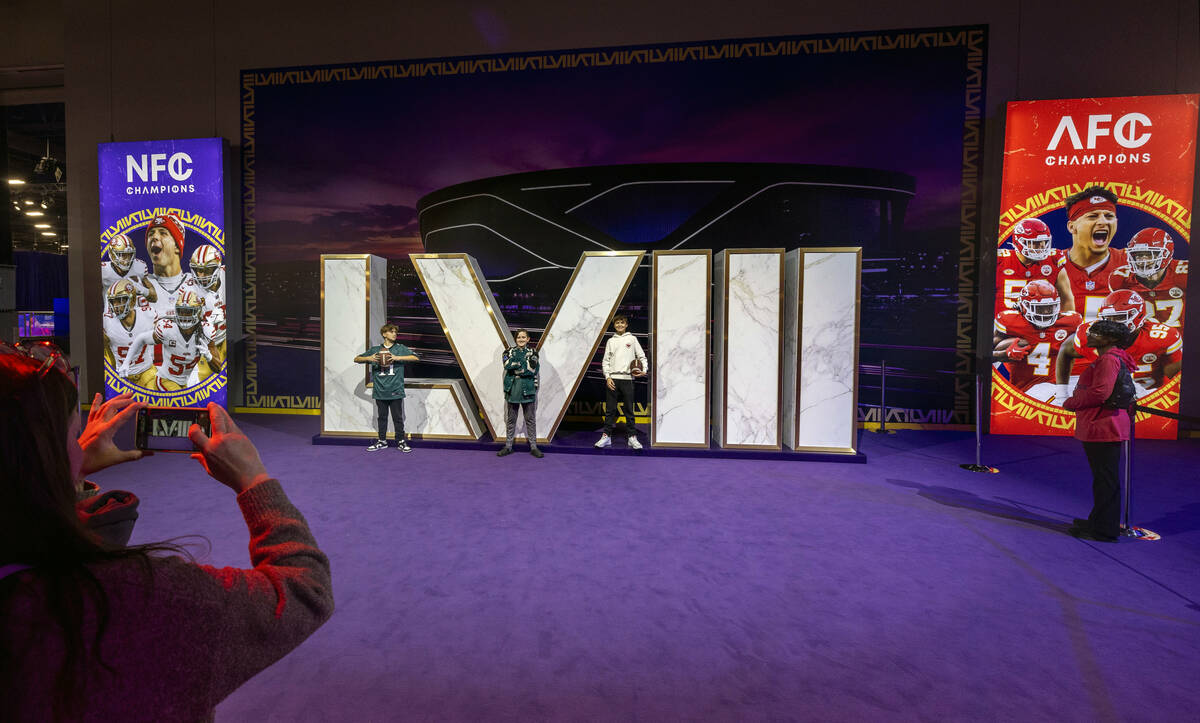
576	327
440	409
754	346
473	324
354	294
828	350
679	350
791	334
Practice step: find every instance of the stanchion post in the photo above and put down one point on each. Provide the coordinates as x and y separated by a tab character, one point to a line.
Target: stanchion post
979	466
883	396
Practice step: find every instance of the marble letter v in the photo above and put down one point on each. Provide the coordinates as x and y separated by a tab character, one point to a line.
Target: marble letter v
474	326
478	334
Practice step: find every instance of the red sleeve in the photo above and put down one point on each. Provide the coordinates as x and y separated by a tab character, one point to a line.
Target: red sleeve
1103	377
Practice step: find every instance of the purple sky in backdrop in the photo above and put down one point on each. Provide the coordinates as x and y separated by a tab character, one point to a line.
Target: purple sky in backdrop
340	166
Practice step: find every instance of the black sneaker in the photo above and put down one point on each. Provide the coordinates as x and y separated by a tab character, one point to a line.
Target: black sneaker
504	451
377	445
536	452
402	445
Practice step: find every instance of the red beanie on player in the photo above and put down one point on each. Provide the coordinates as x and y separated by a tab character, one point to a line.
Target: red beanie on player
172	224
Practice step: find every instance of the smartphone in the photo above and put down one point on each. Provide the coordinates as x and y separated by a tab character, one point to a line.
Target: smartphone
165	429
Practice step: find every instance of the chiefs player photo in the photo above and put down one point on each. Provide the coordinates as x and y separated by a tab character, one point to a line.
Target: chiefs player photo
127	317
1031	258
1027	339
1091	260
1155	274
122	264
183	344
1157	349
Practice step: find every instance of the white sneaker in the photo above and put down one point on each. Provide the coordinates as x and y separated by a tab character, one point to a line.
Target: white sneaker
377	445
634	443
402	445
605	441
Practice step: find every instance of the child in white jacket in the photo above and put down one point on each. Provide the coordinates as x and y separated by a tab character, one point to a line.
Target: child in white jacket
623	360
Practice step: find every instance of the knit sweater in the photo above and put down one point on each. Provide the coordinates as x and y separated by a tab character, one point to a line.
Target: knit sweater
182	640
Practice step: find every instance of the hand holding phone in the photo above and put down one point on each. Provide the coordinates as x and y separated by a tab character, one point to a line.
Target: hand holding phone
104	420
227	455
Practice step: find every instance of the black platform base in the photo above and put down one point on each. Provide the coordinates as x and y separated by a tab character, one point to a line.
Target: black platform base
581	441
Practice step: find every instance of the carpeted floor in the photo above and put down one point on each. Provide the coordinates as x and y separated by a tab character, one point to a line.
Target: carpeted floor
616	587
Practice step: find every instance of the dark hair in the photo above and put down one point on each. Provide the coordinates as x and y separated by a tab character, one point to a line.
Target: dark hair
620	317
388	327
1121	335
39	525
1088	193
519	332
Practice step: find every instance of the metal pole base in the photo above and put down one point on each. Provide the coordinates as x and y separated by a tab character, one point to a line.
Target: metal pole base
1140	533
979	468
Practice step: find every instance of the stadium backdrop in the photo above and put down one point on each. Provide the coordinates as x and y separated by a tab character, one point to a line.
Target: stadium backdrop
337	159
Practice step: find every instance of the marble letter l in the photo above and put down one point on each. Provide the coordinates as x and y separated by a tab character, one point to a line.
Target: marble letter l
679	375
353	307
751	336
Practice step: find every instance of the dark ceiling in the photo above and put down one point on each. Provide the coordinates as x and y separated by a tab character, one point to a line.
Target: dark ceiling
28	129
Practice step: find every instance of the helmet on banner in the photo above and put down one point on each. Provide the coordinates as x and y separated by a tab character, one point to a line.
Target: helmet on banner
204	264
121	296
1032	238
1124	306
188	309
1039	303
1149	251
121	253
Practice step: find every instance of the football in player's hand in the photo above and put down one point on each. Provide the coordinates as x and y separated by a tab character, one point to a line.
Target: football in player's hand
385	358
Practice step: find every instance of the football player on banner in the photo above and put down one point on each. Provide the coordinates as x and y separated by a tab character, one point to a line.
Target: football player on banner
1157	349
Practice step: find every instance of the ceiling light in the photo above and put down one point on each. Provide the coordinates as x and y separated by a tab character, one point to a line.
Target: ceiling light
49	233
29	202
41	225
16	182
34	213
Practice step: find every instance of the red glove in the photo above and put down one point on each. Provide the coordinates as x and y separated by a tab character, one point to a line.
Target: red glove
1019	349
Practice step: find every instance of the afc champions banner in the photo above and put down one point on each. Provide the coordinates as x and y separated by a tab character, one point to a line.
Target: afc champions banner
1095	223
162	269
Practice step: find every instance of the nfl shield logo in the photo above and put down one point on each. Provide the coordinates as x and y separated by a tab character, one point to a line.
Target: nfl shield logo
1089	285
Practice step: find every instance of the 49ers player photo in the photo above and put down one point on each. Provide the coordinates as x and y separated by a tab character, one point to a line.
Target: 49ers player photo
165	244
183	345
122	264
1155	274
128	317
1027	339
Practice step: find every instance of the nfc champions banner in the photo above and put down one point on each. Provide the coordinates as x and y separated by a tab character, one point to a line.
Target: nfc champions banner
1095	222
162	269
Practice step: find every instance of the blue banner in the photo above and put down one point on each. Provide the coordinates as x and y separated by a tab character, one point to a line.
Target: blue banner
162	221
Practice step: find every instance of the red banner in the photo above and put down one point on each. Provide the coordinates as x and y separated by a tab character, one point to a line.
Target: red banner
1096	211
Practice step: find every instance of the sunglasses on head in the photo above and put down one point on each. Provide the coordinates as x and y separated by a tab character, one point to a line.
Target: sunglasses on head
46	352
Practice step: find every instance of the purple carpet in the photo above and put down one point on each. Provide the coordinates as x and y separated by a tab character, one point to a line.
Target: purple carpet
471	587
